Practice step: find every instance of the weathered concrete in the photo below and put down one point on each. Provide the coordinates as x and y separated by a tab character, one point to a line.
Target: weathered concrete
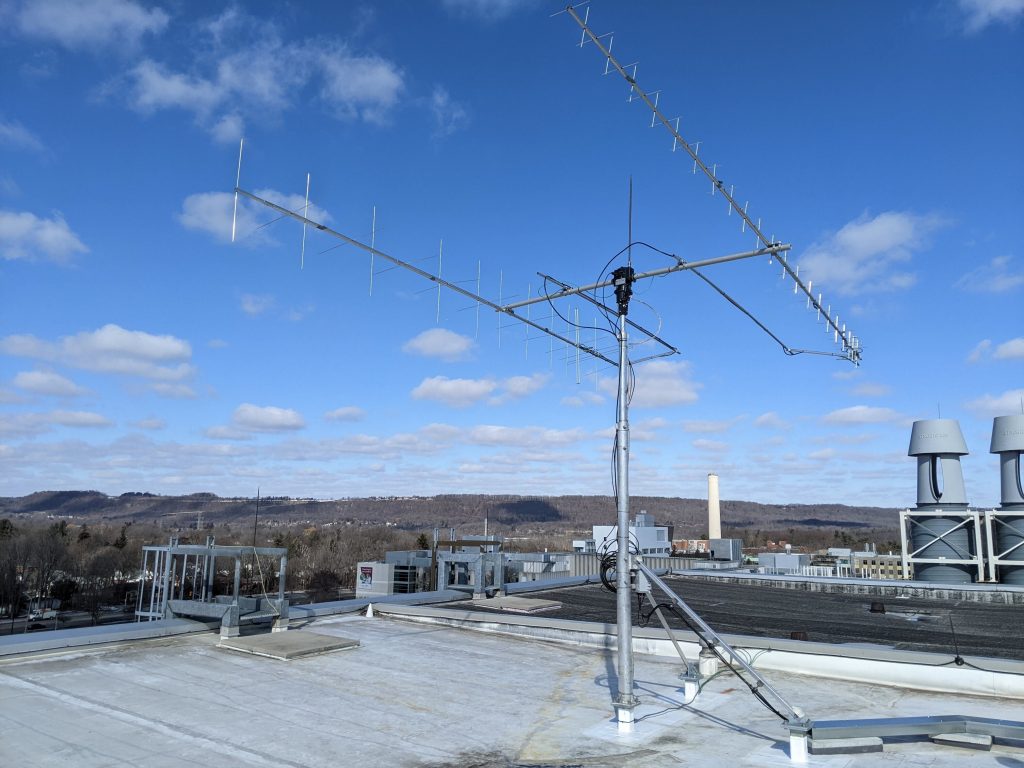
979	741
856	746
517	604
287	645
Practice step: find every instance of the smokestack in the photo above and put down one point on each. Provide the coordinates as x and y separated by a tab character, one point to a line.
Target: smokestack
714	513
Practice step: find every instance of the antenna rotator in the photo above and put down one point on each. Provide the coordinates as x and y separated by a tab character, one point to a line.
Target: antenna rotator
623	281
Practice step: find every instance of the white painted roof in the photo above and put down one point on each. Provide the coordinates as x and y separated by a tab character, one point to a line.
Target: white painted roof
424	695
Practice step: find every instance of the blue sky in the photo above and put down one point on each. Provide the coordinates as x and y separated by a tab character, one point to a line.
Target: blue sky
141	350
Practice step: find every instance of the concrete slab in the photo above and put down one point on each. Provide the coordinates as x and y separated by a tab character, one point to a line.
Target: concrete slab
980	741
287	645
856	746
518	604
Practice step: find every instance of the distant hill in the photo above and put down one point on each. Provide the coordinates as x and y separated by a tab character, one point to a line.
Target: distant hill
418	513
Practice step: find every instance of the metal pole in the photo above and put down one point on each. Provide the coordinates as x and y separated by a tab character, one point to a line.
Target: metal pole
626	701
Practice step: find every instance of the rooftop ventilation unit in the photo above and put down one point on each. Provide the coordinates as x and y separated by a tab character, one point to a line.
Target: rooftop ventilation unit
944	534
1005	526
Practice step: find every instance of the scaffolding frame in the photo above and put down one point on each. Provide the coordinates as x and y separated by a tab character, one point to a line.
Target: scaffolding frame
970	517
994	519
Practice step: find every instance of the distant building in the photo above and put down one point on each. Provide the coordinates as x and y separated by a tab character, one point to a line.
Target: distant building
646	537
872	565
690	546
782	562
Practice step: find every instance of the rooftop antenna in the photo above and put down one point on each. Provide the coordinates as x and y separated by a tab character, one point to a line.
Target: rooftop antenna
305	211
238	182
373	241
621	281
850	350
849	343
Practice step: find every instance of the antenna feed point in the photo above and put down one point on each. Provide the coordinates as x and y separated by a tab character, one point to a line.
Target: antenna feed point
623	279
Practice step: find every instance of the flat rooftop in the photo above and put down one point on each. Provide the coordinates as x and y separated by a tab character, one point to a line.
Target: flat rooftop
985	629
419	695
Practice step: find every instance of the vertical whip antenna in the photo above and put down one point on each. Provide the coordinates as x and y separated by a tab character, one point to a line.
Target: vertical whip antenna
476	335
238	183
305	213
373	242
629	228
440	249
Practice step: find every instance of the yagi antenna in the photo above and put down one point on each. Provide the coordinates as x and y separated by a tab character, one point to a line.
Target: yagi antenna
850	343
506	310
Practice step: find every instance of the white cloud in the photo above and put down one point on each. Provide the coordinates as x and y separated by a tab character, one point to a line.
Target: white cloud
457	393
89	23
823	454
980	351
980	14
21	424
1009	402
253	304
1007	350
658	383
228	129
869	254
227	433
707	426
78	419
360	87
449	115
154	88
582	399
869	389
25	236
211	212
487	10
261	76
14	134
1010	350
710	446
110	349
47	383
29	424
523	437
770	420
268	418
994	277
848	374
863	414
517	387
174	390
440	343
151	424
8	397
346	413
461	393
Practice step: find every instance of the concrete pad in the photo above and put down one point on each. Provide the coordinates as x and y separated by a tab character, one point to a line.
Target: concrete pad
518	604
980	741
287	645
846	746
